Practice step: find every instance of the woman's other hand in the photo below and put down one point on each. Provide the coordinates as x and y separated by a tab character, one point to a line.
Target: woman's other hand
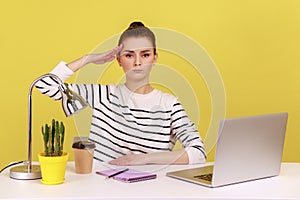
177	157
131	159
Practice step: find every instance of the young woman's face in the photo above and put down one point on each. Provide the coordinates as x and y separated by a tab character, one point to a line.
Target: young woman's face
137	57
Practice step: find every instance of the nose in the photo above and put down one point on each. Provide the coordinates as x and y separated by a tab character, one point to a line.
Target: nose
137	61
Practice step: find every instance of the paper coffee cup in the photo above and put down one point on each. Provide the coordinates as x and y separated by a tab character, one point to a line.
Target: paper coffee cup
83	156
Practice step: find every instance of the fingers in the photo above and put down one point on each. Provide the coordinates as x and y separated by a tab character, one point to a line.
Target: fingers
105	57
116	162
130	159
123	160
118	48
114	51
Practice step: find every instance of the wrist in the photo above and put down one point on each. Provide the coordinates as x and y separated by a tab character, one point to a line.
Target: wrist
79	63
85	60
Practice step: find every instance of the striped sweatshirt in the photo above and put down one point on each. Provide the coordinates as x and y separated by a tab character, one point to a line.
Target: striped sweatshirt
124	122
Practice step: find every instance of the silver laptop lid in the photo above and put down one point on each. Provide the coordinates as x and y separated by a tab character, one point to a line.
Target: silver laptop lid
249	148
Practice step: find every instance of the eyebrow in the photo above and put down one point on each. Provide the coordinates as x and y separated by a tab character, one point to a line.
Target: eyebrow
131	51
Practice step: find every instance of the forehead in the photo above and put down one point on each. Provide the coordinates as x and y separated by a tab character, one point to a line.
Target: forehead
136	44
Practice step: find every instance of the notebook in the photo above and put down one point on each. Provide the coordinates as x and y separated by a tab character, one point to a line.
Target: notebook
129	176
248	148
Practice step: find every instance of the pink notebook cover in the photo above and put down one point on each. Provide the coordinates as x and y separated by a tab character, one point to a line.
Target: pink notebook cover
129	176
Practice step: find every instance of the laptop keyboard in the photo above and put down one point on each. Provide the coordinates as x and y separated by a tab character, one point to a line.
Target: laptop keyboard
207	177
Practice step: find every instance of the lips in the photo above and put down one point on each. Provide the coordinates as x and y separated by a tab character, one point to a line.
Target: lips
137	70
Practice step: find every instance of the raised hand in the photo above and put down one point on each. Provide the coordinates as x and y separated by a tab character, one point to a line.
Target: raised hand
98	58
101	58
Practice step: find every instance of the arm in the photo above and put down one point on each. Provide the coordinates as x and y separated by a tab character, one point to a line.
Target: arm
49	86
94	58
172	157
184	131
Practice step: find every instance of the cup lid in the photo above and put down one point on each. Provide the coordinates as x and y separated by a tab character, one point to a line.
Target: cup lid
83	145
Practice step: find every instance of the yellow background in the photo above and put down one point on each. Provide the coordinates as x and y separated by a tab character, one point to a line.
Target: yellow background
254	44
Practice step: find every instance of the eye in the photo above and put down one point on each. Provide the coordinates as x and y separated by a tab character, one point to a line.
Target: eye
146	55
128	55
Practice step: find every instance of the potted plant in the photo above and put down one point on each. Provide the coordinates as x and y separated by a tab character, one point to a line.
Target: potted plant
53	160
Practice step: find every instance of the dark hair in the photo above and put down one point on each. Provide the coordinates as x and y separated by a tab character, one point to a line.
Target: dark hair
138	29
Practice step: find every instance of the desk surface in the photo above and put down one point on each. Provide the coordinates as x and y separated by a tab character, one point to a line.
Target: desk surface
93	186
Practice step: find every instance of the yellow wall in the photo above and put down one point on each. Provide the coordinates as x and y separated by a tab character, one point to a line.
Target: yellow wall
254	44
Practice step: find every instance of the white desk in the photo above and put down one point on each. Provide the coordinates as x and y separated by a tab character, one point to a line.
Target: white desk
93	186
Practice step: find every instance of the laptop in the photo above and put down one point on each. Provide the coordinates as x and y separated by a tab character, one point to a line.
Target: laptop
248	148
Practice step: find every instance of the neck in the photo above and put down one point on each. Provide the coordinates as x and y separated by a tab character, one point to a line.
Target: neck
139	88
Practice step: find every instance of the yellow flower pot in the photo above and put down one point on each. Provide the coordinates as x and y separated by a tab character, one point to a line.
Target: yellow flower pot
53	168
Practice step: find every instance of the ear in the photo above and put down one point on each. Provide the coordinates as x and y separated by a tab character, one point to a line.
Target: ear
155	58
119	60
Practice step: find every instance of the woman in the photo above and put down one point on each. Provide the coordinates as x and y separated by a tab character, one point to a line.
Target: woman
133	123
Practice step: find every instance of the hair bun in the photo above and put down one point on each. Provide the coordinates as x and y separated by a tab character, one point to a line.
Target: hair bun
134	25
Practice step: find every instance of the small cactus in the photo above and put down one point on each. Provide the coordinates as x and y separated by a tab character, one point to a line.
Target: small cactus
62	139
53	137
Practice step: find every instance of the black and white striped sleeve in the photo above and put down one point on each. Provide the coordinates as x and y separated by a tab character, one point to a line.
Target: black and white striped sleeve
49	85
186	133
